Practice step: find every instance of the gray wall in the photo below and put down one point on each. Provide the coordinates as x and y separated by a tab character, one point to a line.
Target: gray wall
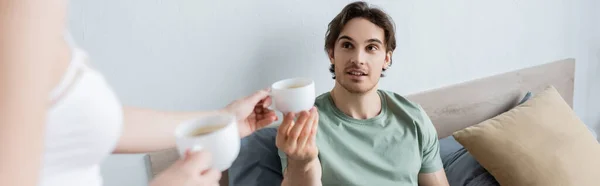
193	54
592	32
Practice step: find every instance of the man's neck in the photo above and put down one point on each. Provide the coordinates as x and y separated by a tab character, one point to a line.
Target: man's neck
358	106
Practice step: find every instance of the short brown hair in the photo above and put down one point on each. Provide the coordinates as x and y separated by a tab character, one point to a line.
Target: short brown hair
360	9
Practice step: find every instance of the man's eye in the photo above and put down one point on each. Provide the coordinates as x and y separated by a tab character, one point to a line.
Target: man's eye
372	48
346	45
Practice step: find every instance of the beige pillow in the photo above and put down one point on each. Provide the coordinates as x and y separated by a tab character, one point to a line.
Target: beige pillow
540	142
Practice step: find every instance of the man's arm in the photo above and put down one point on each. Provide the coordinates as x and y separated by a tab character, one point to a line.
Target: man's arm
432	170
437	178
302	173
296	141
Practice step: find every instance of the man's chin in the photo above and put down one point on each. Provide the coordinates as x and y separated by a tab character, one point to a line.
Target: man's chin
357	89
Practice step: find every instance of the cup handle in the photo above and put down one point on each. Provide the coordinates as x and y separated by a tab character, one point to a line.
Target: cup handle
272	106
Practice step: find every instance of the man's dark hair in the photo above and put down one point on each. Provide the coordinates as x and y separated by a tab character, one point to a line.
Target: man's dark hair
360	9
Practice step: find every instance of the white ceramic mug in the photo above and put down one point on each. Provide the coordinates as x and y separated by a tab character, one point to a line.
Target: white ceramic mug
223	143
293	95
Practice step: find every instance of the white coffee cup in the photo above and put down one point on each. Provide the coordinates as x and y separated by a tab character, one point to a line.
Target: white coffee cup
293	95
223	143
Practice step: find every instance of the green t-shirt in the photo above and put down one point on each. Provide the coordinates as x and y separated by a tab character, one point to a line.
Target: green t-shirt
391	148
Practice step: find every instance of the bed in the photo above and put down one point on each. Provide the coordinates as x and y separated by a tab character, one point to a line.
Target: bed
456	107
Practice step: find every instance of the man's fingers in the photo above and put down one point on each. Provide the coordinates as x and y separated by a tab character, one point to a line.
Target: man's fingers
311	140
315	124
289	122
290	139
298	126
282	131
305	135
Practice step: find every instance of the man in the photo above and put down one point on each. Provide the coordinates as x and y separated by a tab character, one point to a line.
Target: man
365	136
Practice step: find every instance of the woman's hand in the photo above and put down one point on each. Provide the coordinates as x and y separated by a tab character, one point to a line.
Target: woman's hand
252	112
191	170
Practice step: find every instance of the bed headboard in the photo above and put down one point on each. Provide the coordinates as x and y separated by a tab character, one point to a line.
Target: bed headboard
458	106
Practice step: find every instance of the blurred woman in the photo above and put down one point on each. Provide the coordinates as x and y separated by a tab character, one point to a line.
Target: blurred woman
59	118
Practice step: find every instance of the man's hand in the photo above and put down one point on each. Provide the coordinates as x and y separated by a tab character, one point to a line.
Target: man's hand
297	138
252	112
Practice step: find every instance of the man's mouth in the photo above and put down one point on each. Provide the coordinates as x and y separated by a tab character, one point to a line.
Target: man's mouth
356	73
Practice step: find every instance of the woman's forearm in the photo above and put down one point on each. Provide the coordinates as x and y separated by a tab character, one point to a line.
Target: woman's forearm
30	33
147	130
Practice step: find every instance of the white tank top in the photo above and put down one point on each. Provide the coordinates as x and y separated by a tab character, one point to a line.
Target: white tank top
83	126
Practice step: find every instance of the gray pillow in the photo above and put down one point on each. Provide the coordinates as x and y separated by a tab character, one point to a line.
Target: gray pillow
461	167
258	162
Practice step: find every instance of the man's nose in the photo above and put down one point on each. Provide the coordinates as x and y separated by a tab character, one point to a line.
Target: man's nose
359	58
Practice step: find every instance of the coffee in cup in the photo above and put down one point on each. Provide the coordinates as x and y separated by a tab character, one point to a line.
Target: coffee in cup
217	134
293	95
205	130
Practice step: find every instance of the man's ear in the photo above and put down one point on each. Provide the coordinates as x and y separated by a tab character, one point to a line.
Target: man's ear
330	55
388	60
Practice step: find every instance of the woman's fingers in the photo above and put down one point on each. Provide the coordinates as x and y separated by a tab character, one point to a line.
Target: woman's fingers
197	161
211	175
266	102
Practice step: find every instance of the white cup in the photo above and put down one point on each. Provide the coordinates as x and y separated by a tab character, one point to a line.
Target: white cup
223	143
293	95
